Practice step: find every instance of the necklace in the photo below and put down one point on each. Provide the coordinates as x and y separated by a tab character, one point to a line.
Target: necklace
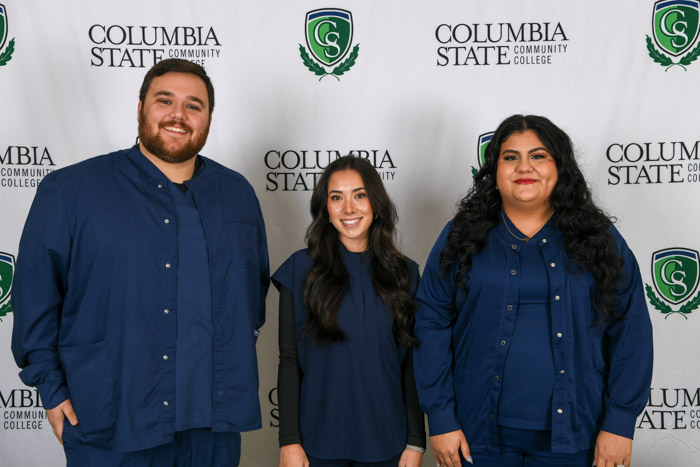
511	232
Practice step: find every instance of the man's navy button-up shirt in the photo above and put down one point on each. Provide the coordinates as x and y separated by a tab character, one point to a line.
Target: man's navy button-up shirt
95	284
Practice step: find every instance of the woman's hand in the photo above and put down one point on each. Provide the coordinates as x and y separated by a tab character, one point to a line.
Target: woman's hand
293	455
612	450
410	458
446	448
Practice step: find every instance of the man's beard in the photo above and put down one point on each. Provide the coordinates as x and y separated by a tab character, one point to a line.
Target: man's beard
154	144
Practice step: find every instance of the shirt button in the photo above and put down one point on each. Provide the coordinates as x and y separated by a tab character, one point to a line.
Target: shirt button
556	297
513	272
544	240
165	403
561	371
553	264
160	186
167	265
560	411
165	357
221	393
167	221
503	342
166	311
559	334
496	378
509	307
492	416
514	246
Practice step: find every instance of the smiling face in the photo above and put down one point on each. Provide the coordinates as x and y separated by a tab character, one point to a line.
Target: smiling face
174	119
527	173
349	209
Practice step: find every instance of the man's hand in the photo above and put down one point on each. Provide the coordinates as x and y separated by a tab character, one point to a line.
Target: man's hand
446	448
58	414
410	458
612	450
293	455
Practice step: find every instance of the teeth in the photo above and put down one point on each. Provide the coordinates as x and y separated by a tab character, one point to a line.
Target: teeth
350	222
175	129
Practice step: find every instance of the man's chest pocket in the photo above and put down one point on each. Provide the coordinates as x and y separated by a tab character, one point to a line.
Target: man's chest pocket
238	243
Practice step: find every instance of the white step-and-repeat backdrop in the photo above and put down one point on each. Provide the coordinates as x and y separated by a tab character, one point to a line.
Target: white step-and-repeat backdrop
418	85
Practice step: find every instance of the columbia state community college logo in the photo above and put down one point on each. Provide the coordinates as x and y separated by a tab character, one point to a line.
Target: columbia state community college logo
481	145
7	270
675	275
329	38
675	27
5	52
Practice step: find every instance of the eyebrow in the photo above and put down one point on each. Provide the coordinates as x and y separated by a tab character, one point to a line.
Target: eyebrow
356	189
170	94
529	152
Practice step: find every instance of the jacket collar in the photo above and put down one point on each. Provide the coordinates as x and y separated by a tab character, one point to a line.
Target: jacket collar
155	177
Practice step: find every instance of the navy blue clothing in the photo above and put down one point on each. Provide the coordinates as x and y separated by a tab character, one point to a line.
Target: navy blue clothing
528	376
95	297
351	403
315	462
193	352
191	448
602	373
528	448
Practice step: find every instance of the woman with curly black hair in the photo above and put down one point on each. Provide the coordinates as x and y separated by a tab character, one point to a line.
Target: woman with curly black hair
347	394
536	342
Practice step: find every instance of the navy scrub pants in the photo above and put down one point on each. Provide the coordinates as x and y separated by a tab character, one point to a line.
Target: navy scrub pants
528	448
191	448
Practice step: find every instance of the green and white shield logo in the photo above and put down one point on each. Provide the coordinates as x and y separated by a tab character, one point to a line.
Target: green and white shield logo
329	38
675	273
3	26
484	141
7	270
481	145
329	34
5	55
676	24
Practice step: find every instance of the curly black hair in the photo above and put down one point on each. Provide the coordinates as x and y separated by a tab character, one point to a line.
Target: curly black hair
327	280
585	227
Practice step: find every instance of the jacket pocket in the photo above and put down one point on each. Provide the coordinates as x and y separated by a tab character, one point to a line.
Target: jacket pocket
90	382
239	243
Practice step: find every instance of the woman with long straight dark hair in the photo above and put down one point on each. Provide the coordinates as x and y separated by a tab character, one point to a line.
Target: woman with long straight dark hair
536	341
347	395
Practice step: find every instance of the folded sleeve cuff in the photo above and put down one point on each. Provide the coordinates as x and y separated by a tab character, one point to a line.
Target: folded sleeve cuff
52	394
619	422
442	421
49	382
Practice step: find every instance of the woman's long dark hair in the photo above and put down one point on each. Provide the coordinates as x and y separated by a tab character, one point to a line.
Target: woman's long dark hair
327	280
585	227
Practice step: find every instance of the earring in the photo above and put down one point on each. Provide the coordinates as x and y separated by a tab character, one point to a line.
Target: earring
330	221
375	216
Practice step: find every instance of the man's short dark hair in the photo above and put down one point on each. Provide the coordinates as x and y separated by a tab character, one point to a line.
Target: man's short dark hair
177	65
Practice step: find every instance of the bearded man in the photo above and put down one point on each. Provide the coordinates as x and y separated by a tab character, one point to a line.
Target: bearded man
139	291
